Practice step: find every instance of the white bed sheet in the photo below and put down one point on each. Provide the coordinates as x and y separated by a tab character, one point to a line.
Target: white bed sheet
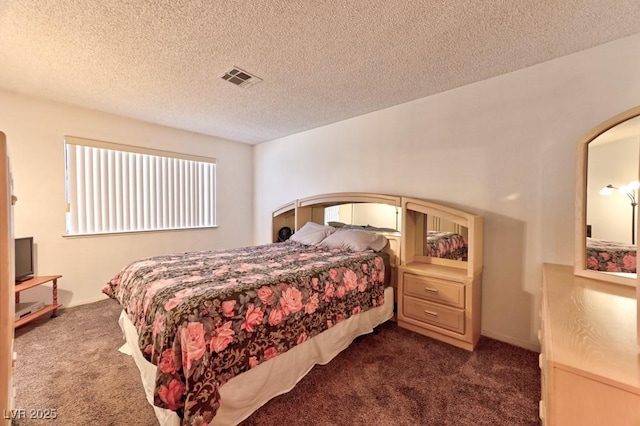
244	394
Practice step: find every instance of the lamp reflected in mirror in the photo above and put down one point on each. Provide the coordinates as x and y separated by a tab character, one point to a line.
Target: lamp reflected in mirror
631	191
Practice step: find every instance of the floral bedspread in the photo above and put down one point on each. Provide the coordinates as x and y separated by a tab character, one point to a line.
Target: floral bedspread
610	256
445	245
205	317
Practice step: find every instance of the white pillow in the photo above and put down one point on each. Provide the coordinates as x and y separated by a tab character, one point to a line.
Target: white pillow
312	233
355	240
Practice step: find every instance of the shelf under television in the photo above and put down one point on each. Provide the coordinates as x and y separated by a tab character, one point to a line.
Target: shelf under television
47	309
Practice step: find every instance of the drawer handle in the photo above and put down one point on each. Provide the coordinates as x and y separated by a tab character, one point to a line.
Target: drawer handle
431	313
431	290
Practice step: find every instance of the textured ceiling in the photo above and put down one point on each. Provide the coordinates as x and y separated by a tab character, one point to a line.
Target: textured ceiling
320	61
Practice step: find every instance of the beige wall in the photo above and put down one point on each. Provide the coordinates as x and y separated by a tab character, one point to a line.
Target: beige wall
504	148
35	131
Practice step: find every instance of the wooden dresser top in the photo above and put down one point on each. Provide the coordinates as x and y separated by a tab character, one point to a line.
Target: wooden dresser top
589	327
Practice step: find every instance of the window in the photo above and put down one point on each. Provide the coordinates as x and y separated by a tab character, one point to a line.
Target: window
113	188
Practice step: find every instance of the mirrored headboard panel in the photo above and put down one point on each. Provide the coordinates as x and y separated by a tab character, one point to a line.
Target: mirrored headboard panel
443	242
351	208
440	235
374	215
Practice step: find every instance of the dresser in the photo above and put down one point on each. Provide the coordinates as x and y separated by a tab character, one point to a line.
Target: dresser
440	302
590	359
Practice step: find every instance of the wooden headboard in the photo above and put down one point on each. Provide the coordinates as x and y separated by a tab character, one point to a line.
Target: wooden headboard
312	209
402	244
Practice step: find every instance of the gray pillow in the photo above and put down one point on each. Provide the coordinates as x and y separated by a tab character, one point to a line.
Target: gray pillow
312	233
355	240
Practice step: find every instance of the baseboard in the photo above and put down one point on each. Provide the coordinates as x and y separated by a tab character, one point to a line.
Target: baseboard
511	341
86	301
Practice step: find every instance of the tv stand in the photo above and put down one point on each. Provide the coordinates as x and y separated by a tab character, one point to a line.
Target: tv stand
51	308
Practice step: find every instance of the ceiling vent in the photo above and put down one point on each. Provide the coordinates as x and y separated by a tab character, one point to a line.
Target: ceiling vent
240	77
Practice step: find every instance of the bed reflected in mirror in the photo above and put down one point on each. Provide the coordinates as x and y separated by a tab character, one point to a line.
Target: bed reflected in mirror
442	242
612	189
606	248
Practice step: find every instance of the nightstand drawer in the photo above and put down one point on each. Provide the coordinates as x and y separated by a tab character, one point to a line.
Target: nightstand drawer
435	314
434	289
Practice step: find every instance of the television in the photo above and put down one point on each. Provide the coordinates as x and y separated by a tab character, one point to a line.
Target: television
24	258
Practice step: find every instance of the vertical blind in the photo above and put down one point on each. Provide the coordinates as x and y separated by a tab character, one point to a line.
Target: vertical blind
332	214
113	188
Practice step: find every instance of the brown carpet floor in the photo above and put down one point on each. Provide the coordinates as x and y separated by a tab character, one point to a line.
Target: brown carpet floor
395	377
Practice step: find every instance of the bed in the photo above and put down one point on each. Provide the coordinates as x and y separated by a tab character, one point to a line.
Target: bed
445	245
216	334
610	256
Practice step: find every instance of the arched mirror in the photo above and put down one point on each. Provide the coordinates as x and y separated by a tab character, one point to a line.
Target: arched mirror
608	182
